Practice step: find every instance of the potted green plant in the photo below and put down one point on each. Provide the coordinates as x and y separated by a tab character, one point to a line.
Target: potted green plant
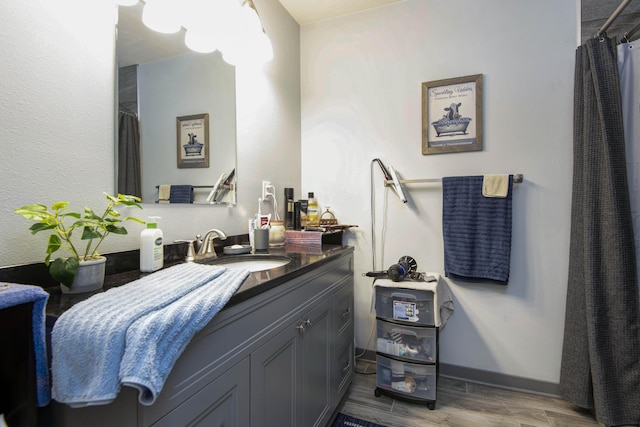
71	270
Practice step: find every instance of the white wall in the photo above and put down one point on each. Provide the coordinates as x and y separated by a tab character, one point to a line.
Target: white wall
57	121
361	99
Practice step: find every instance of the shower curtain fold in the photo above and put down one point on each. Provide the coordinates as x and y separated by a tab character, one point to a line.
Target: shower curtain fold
129	178
601	350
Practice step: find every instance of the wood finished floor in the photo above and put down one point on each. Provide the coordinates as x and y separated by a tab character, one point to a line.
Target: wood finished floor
460	404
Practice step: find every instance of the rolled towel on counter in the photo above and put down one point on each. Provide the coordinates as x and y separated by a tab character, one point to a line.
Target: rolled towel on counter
181	194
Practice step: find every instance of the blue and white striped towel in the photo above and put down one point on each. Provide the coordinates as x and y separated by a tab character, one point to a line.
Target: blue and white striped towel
155	341
88	340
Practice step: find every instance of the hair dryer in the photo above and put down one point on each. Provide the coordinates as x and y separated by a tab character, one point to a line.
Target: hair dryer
397	272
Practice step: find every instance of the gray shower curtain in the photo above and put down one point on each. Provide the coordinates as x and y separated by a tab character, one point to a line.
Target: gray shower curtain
129	178
601	350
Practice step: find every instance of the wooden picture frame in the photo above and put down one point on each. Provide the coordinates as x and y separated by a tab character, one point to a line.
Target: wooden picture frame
452	115
193	141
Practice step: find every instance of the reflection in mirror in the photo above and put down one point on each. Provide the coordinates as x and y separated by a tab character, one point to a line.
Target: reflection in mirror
163	100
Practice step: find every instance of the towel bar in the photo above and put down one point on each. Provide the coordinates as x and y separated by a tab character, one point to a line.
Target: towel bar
517	179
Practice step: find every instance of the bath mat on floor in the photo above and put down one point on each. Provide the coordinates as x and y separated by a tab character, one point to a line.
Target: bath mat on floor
343	420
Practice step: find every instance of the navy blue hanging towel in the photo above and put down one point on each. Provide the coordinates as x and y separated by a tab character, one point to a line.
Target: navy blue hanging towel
181	194
476	231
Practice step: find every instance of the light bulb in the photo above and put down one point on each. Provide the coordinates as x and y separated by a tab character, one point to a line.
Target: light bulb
162	16
200	41
247	51
245	42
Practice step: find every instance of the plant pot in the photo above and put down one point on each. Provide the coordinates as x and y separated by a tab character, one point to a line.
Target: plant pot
90	277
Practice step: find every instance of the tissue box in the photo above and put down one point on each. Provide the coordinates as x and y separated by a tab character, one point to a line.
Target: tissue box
303	238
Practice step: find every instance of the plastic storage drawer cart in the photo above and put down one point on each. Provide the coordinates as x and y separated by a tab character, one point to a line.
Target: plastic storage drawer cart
407	340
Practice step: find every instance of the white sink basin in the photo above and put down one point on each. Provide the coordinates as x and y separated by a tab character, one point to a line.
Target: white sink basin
251	262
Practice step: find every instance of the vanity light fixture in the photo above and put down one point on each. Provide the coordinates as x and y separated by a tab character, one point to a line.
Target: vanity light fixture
231	26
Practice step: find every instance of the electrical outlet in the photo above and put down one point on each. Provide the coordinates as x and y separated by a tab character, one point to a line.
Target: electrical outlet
265	189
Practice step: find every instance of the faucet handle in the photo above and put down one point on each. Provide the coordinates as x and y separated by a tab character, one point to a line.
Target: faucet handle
198	242
191	256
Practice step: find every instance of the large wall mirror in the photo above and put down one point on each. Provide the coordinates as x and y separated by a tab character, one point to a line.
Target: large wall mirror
184	105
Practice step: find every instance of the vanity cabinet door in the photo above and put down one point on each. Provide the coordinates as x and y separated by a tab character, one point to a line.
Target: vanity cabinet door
316	369
342	362
222	403
290	373
275	383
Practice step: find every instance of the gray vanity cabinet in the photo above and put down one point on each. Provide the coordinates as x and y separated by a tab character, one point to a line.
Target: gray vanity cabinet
290	376
221	403
283	357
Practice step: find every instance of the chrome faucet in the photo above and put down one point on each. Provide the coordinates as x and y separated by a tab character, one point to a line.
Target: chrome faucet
206	248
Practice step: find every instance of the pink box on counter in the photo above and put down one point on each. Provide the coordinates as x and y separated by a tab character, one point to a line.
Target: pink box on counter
307	238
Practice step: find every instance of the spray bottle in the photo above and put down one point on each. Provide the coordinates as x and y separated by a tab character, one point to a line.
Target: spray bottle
151	247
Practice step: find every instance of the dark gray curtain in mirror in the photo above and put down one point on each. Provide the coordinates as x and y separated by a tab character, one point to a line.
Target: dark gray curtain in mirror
129	181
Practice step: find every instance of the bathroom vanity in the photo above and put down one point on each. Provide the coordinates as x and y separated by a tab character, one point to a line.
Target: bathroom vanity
279	354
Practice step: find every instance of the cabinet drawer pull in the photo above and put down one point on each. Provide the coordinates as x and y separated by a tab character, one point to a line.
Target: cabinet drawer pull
346	313
347	366
304	325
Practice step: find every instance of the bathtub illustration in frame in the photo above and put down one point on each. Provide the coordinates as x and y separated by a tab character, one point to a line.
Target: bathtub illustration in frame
193	141
452	115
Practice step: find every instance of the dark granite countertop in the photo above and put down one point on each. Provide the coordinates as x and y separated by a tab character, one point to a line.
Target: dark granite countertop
303	260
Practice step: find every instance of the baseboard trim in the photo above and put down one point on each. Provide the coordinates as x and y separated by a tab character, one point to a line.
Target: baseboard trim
480	376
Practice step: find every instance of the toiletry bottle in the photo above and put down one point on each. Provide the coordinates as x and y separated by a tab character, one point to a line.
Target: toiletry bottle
297	225
151	247
288	214
312	211
276	233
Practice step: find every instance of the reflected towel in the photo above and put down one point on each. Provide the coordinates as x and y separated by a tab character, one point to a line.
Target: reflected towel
495	185
16	294
181	194
164	193
476	231
155	342
88	340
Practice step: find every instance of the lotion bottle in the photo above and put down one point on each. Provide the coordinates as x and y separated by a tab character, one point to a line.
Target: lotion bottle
151	247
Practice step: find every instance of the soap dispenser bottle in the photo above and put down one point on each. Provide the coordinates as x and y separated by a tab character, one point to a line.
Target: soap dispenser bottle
151	247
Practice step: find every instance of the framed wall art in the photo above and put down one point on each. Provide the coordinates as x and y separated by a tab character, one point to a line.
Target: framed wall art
452	115
193	141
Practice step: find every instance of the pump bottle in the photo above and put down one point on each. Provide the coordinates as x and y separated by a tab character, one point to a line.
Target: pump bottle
151	247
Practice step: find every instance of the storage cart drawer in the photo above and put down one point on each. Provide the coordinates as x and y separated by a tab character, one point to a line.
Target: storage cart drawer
408	305
409	379
417	343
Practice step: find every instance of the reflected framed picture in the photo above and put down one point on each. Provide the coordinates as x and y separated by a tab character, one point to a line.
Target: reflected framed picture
193	141
452	115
